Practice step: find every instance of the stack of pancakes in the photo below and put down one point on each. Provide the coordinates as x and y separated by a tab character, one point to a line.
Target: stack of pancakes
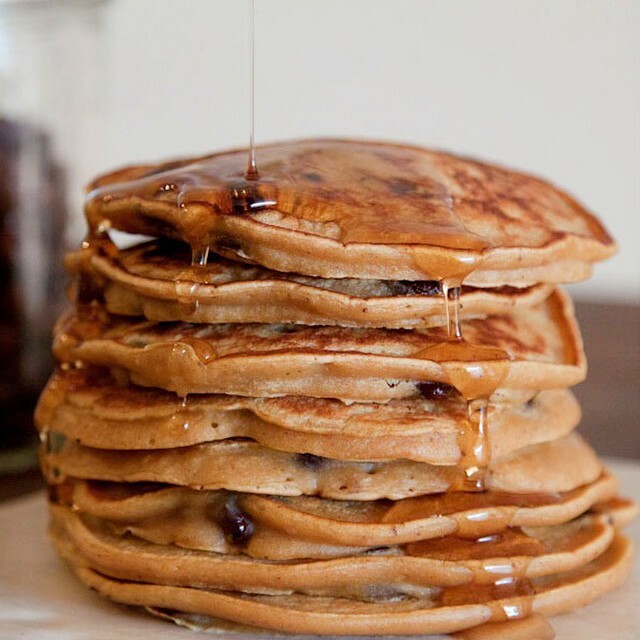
331	397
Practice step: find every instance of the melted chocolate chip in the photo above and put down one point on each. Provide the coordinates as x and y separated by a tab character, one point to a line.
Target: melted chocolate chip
235	523
310	461
435	390
416	288
287	328
376	550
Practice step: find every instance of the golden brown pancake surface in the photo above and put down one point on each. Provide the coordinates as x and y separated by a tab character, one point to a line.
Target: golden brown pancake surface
340	208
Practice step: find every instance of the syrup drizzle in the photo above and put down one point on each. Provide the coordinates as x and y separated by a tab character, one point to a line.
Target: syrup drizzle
252	167
200	256
181	418
187	295
452	310
476	372
352	192
477	461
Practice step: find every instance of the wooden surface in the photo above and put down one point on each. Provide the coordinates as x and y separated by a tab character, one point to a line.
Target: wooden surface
610	397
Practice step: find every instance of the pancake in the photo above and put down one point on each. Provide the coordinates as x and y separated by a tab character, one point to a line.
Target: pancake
536	348
157	280
451	610
331	397
92	410
412	571
238	465
304	527
340	209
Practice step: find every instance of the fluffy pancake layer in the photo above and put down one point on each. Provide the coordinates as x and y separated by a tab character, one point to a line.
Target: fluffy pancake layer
239	465
158	281
305	527
413	569
337	208
92	410
446	611
537	348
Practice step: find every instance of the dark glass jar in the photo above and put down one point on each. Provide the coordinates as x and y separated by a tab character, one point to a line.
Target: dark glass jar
51	128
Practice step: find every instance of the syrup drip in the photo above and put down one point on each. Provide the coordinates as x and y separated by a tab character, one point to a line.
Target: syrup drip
186	287
252	167
501	558
452	311
199	256
514	596
187	295
181	418
478	514
204	350
478	453
476	372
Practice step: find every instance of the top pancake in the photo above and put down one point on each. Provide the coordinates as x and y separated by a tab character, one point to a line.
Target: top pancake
337	208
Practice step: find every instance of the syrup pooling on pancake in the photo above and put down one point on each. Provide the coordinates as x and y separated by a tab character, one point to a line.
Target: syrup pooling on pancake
361	192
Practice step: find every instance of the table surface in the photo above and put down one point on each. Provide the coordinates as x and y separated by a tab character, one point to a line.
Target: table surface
40	599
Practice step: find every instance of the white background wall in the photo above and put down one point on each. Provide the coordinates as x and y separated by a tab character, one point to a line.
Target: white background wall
548	86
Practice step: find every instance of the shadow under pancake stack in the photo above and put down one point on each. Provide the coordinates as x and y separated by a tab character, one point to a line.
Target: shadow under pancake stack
331	397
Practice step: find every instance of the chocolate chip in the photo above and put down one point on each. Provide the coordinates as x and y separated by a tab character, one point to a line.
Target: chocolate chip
435	390
416	288
287	328
235	523
310	461
376	550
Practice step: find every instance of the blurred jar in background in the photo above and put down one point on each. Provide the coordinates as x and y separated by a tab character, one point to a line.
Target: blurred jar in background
51	143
